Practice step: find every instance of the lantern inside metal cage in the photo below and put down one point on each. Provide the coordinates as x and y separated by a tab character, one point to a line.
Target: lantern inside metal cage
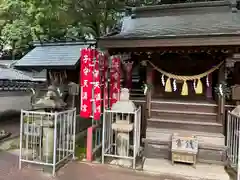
121	131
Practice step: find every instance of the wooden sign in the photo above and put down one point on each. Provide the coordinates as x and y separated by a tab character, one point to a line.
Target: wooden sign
184	148
184	143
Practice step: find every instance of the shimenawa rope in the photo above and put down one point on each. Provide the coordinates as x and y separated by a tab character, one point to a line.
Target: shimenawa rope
198	89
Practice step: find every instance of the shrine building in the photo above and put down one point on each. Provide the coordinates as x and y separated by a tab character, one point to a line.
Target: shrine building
183	53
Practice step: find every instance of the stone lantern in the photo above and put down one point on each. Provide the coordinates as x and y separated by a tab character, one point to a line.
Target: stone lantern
123	125
51	101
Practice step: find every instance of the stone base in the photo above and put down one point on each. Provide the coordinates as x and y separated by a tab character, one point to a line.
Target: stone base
206	154
201	172
122	162
211	148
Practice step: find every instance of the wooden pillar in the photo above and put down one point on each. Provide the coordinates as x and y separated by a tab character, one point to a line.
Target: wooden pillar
150	90
209	89
221	99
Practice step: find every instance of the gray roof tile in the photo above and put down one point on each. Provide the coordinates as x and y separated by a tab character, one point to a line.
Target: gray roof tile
13	74
7	63
49	56
218	23
37	76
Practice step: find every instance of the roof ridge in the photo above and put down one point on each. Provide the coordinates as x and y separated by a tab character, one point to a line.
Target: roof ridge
62	43
182	5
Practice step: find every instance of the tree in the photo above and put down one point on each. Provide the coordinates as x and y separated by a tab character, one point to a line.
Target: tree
17	34
49	19
15	31
25	21
96	17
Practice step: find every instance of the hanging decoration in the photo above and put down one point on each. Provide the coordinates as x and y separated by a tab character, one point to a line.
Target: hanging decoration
168	87
220	89
174	85
194	85
128	68
198	87
163	80
115	80
57	78
207	81
145	88
86	80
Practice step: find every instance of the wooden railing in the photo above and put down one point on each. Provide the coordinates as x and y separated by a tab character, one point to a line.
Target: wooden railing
233	142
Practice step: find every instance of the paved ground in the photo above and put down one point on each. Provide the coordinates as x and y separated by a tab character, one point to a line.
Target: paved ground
14	101
74	171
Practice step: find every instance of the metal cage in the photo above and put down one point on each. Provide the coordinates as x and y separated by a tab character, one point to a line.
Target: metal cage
47	138
233	142
109	136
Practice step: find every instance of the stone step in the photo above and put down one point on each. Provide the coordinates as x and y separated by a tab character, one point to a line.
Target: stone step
184	115
185	125
159	150
204	138
212	147
202	171
184	106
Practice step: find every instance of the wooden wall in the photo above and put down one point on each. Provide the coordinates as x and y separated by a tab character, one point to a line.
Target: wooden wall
184	64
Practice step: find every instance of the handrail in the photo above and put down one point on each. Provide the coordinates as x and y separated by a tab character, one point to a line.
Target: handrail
232	114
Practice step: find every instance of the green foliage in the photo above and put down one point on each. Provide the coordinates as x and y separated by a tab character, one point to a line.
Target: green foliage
226	90
96	17
16	34
80	149
25	21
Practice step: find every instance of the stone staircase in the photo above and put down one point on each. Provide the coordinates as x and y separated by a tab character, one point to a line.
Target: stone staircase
191	118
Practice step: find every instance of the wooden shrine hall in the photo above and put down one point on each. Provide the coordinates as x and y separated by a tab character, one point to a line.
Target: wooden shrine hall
182	51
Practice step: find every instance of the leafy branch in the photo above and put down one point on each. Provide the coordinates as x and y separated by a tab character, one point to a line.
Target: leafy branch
223	90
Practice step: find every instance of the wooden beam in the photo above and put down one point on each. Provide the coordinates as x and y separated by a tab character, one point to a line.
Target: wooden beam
170	42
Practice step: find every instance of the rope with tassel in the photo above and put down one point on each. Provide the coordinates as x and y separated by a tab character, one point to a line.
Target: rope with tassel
198	89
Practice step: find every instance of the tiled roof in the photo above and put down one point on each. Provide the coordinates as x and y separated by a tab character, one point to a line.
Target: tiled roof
169	21
13	74
37	76
7	63
53	55
184	25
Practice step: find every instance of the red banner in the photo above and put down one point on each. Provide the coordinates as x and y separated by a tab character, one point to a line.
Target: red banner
96	87
104	79
115	80
86	77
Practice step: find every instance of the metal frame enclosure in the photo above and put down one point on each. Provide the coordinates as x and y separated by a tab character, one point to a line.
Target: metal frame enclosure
109	136
233	142
47	139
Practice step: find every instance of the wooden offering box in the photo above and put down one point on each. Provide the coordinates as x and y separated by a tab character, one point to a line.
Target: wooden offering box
184	149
